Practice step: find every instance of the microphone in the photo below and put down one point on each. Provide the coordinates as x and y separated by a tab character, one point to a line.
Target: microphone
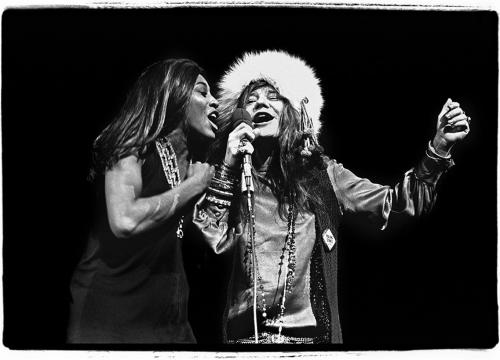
242	116
239	116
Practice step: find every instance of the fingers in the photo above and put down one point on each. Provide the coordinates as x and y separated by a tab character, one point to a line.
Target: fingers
449	105
453	116
239	142
445	108
245	147
210	172
460	117
459	126
198	166
240	139
454	112
461	123
452	105
242	131
202	173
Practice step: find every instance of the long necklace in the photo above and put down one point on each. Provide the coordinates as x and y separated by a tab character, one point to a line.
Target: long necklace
290	247
171	170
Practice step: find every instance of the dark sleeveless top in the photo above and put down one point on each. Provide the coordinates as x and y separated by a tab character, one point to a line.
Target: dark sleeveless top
131	290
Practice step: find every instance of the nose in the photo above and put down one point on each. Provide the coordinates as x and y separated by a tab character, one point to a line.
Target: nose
213	102
261	101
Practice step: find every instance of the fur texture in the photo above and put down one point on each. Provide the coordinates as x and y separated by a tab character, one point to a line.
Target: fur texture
290	75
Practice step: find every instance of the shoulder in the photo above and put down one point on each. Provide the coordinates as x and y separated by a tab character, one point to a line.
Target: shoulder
127	162
128	167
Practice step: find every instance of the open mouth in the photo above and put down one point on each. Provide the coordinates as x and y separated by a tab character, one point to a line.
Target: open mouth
262	117
212	119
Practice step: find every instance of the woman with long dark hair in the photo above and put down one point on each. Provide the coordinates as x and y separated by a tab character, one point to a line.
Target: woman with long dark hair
130	285
283	286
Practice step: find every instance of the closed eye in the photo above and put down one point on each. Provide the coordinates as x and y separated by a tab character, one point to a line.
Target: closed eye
272	95
251	99
202	89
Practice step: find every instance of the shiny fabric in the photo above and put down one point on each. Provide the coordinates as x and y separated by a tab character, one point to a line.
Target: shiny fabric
414	195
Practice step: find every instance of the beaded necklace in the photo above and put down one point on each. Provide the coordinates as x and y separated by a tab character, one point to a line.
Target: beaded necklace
290	247
171	170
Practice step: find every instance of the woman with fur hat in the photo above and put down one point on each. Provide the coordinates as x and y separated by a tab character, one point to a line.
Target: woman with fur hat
283	286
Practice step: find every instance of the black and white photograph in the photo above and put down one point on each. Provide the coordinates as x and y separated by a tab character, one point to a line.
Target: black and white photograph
247	178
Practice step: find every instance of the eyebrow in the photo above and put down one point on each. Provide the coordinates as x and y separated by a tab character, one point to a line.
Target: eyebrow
268	91
202	83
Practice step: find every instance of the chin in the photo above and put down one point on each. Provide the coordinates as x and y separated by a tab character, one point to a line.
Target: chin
203	135
208	134
269	132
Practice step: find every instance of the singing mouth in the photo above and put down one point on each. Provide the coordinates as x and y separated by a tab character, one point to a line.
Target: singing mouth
262	117
212	118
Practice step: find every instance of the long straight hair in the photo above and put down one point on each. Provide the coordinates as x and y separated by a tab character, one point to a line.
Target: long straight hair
289	171
154	106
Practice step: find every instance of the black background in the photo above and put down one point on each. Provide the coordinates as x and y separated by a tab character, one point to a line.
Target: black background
385	76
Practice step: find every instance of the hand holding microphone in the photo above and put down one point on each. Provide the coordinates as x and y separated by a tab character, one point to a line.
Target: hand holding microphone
240	139
239	143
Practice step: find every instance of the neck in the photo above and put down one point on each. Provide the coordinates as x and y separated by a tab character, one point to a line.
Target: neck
198	146
179	142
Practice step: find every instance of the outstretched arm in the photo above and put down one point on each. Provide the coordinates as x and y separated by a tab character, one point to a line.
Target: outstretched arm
415	194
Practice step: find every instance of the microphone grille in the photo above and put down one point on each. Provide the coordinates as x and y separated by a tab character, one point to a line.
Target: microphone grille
239	116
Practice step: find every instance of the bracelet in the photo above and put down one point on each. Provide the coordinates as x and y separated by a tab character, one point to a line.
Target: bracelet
228	168
221	184
214	200
224	172
220	193
224	177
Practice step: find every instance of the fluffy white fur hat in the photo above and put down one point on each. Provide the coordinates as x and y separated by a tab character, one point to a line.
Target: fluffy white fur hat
289	74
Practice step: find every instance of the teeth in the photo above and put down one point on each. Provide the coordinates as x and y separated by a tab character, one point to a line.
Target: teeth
262	117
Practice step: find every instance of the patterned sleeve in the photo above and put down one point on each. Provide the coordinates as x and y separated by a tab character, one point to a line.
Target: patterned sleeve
214	212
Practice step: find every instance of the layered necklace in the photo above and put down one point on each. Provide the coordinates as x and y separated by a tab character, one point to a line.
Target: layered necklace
171	170
289	248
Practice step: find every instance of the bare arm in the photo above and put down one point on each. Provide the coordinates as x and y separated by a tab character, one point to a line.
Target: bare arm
130	214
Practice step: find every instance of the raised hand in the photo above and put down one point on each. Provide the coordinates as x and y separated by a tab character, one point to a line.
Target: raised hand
452	126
